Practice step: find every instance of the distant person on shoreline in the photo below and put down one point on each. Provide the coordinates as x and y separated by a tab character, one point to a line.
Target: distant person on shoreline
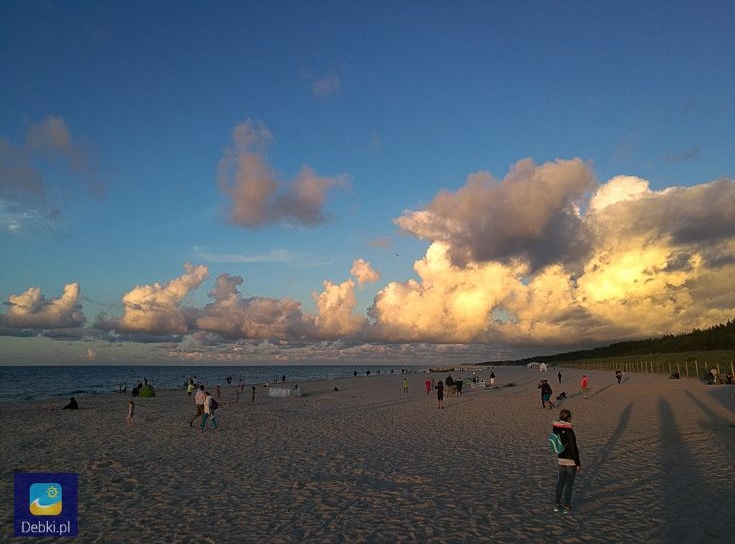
427	385
559	376
492	379
405	385
131	413
71	405
568	462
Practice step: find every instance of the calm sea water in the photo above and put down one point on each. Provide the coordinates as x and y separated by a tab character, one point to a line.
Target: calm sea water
18	383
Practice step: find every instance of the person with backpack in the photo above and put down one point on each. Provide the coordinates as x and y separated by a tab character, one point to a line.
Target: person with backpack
210	405
567	454
546	393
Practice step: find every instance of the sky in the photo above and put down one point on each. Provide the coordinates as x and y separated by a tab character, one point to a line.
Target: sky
424	182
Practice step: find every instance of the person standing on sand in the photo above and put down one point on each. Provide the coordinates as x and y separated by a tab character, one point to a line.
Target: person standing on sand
492	379
559	376
440	394
131	413
405	385
199	400
208	412
619	375
568	462
427	385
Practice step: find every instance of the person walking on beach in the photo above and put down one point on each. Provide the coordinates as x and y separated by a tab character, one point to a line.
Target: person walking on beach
492	379
252	400
209	408
619	375
199	400
405	385
584	384
546	393
559	376
427	385
568	462
440	394
131	413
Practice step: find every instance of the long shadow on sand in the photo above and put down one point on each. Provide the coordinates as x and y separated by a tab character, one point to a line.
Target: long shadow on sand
717	393
675	488
599	391
603	457
716	422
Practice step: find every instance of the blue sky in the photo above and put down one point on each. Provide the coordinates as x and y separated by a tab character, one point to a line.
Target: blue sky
335	181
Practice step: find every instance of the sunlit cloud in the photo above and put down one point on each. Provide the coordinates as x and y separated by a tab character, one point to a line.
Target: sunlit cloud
588	263
364	272
531	215
158	309
33	310
636	263
257	197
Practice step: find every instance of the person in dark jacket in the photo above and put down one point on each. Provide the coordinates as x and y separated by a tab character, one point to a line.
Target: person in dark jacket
546	393
568	461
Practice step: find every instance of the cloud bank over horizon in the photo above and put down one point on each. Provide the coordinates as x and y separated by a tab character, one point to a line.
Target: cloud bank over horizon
546	256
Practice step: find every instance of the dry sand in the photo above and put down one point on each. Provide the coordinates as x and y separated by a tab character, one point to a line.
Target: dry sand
368	463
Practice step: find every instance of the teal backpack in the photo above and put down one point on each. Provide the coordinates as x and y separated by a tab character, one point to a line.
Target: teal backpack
555	443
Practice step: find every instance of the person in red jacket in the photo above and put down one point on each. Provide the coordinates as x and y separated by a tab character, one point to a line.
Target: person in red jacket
568	461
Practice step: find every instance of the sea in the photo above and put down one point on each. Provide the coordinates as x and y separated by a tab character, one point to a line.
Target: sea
24	383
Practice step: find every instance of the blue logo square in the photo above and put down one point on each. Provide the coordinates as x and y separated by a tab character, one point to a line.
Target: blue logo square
45	504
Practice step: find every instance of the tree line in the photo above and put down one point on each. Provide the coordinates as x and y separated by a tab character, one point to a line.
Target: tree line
718	337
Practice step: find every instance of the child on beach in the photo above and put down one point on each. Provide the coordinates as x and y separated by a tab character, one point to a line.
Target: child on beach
440	394
131	413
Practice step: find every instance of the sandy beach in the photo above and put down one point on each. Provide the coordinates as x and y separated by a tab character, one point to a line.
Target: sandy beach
368	463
